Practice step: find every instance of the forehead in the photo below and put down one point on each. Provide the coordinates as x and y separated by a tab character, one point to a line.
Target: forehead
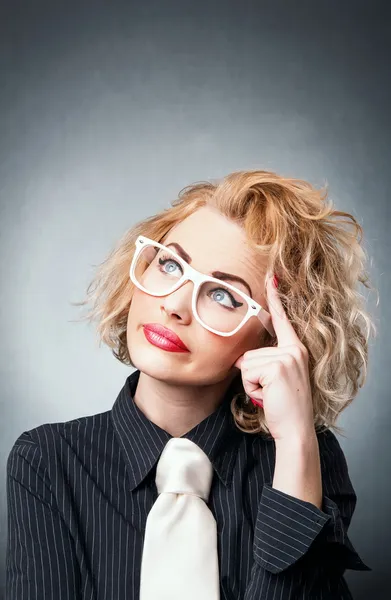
216	243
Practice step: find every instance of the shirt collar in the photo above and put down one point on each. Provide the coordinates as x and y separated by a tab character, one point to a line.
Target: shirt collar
142	441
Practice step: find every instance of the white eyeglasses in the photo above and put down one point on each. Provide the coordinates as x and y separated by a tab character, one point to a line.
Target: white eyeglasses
218	306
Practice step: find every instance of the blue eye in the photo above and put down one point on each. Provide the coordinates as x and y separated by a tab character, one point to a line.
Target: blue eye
222	292
169	261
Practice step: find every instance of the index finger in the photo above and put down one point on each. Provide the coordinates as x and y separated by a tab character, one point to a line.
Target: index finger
285	332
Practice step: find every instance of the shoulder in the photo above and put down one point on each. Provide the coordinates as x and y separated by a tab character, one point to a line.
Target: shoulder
43	446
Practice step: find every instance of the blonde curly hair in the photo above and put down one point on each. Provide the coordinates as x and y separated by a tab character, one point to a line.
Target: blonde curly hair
318	262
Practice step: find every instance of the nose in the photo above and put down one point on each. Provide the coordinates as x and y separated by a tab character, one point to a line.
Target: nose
178	303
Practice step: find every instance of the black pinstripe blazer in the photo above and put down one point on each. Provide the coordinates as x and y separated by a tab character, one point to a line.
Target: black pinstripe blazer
79	493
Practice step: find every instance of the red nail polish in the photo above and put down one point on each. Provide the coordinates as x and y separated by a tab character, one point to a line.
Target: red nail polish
256	402
275	281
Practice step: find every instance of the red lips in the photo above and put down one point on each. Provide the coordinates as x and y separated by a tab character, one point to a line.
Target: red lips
166	333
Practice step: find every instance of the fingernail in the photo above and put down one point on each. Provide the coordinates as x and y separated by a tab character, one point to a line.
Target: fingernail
275	281
256	402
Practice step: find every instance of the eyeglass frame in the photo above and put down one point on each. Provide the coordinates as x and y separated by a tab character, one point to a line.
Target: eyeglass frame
198	278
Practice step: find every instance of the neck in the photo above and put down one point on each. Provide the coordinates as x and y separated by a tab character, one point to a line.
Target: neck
175	408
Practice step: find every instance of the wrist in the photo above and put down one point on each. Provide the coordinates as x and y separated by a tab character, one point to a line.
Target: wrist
297	467
297	440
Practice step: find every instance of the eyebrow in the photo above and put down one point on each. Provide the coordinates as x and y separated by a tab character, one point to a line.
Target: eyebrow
217	274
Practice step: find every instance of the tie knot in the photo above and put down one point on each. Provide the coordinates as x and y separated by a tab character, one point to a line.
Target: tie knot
184	468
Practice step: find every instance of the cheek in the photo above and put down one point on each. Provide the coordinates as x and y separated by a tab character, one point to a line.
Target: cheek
142	305
249	338
138	312
220	352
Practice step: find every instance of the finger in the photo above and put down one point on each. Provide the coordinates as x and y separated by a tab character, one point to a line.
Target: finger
256	377
284	330
259	353
256	398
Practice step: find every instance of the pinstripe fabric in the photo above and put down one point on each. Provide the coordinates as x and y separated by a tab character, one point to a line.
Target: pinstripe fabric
79	493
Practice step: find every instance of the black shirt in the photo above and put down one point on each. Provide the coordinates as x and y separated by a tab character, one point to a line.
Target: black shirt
79	493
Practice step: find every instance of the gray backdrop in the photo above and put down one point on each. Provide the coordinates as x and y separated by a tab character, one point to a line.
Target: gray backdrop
107	109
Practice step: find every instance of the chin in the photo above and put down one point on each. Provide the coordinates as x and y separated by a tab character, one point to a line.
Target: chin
155	362
168	369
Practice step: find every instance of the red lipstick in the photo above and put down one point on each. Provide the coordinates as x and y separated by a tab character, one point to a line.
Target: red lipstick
164	338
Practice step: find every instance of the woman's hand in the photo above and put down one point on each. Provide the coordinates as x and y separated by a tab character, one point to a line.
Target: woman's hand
279	377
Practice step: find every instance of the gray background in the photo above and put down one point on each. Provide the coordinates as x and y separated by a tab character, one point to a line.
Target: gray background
108	109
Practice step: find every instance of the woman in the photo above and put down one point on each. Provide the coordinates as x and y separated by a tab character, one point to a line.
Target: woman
248	377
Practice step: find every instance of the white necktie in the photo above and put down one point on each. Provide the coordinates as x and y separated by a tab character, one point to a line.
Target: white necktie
180	560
